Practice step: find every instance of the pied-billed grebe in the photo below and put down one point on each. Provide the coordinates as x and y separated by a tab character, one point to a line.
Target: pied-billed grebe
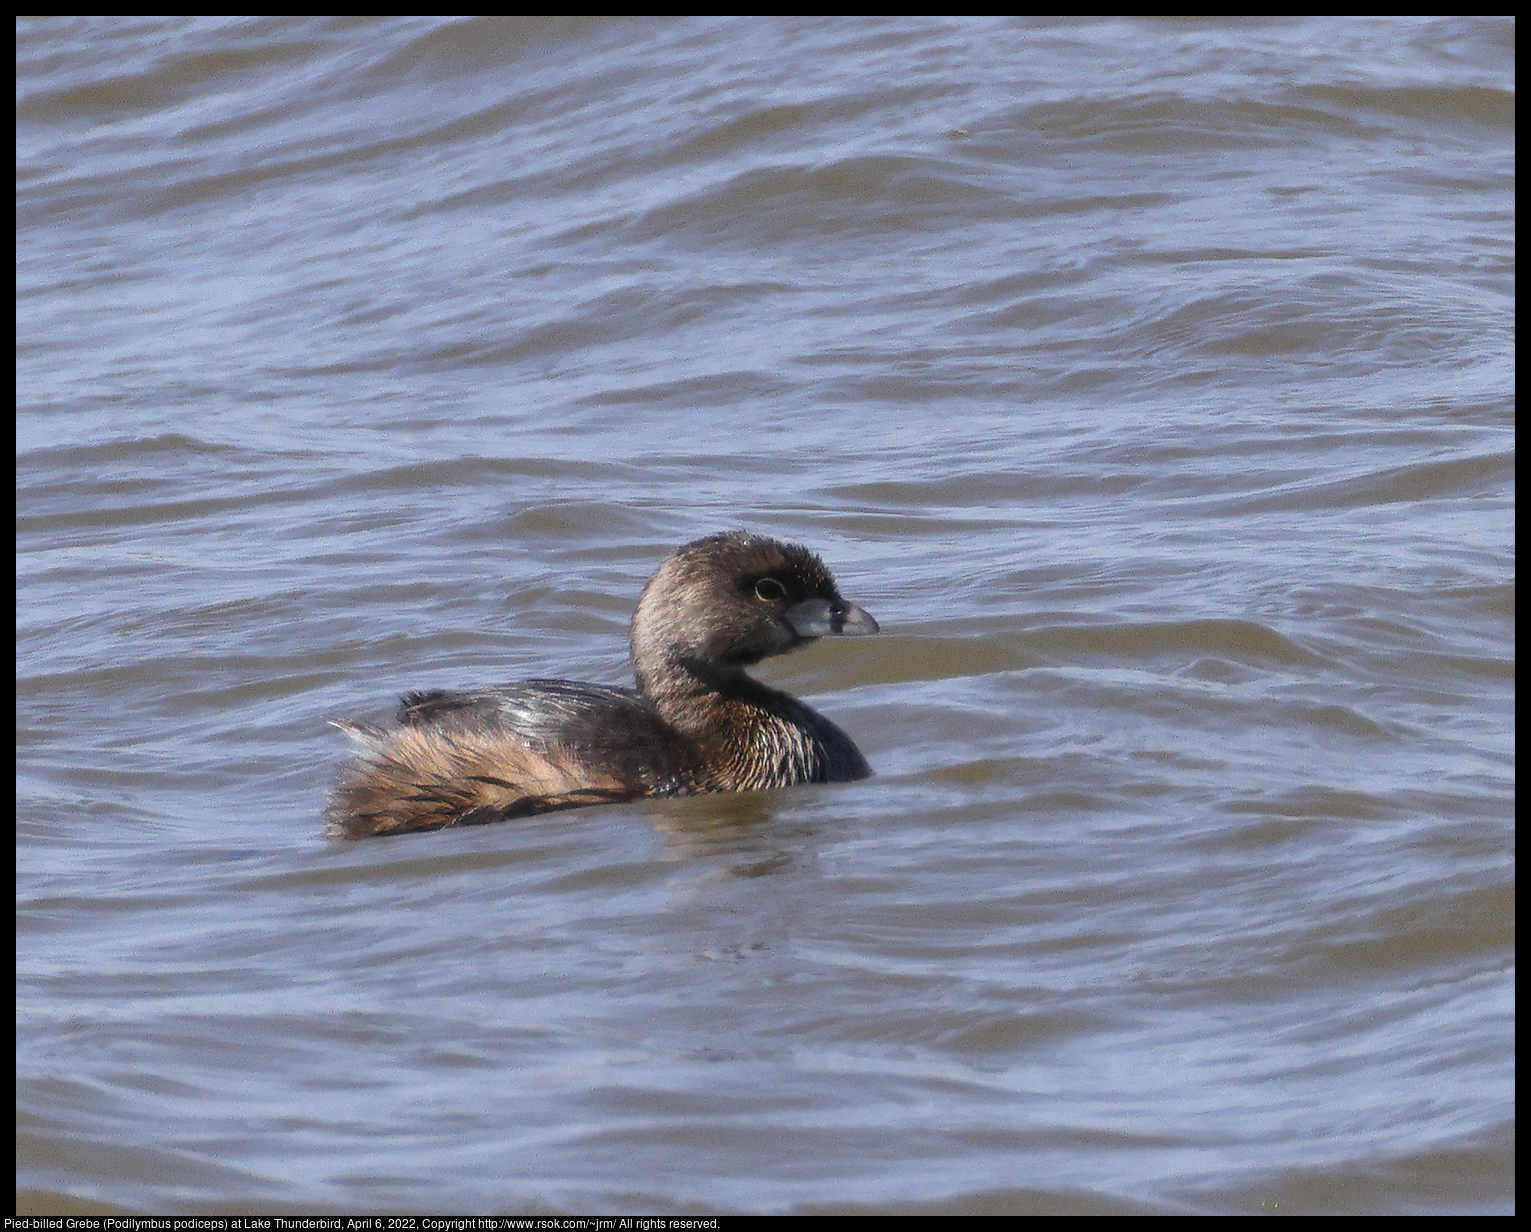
696	723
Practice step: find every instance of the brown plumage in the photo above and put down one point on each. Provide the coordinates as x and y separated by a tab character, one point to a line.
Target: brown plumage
696	723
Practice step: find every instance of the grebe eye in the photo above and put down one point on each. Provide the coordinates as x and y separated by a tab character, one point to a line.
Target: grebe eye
770	590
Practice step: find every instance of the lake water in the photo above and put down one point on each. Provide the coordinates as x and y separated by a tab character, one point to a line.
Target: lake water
1149	380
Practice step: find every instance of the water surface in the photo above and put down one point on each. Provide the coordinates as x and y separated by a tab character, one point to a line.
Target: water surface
1148	380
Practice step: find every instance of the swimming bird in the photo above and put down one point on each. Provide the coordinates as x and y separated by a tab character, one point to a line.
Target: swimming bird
696	722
